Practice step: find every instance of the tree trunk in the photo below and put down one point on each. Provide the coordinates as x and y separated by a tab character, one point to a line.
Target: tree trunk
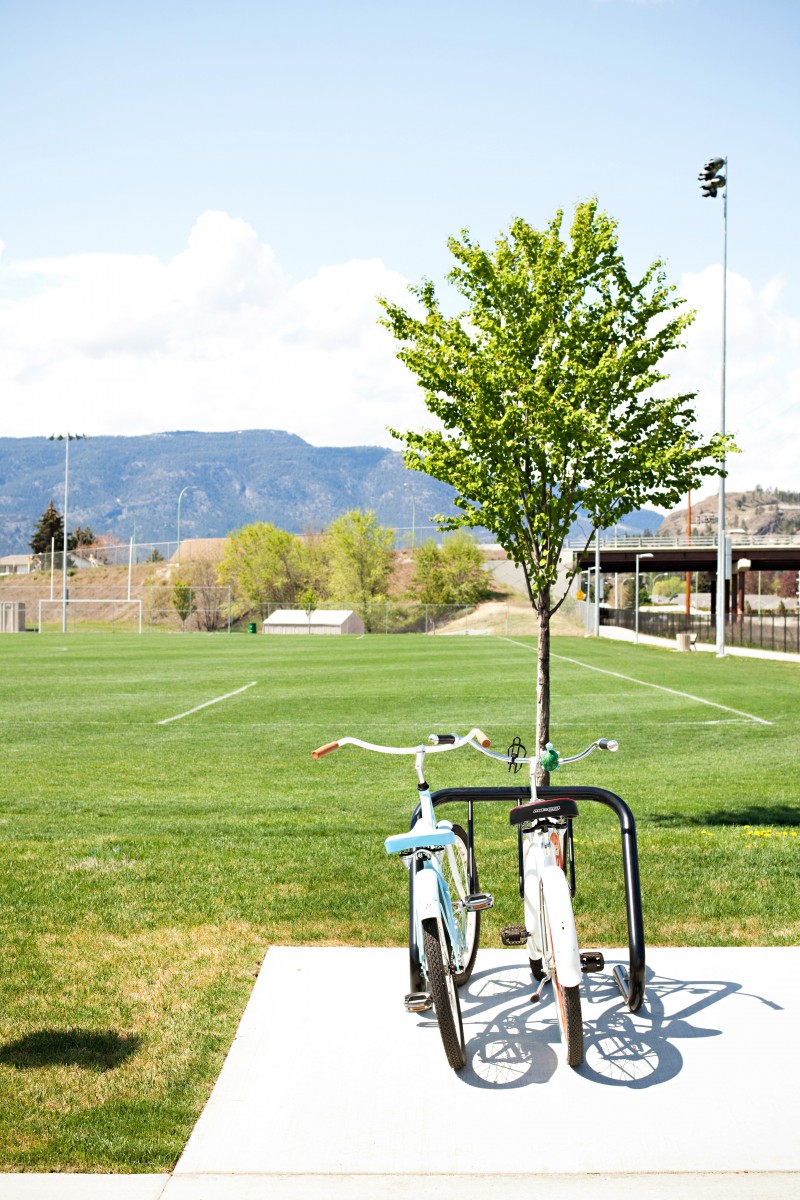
543	681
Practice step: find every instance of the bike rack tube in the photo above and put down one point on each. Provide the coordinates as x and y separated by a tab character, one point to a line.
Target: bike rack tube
630	982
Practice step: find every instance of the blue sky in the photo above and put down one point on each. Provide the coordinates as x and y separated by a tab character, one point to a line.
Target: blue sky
201	200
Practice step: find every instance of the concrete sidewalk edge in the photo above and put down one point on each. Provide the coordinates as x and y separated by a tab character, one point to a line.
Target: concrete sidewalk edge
678	1186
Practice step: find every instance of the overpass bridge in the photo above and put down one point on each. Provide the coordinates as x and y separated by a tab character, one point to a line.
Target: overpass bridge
680	553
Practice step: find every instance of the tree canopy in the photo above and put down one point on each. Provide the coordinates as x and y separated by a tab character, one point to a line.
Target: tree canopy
547	390
450	574
50	525
264	564
359	551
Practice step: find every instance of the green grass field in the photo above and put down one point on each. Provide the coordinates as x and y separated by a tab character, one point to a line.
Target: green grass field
146	868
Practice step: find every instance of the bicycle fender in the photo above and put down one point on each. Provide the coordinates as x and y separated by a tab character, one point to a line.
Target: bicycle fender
562	925
426	894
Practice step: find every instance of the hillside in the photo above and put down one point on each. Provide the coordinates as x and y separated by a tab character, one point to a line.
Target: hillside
757	512
118	485
235	478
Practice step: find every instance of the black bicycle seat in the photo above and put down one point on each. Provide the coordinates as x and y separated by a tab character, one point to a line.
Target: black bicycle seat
539	810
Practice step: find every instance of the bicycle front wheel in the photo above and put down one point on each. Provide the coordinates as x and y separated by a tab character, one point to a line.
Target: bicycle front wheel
558	929
444	992
455	869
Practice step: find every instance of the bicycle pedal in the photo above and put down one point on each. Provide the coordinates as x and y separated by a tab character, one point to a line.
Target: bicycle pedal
592	960
513	935
418	1001
478	901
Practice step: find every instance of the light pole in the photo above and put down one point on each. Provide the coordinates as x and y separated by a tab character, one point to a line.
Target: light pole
597	583
66	438
636	599
711	182
188	487
413	515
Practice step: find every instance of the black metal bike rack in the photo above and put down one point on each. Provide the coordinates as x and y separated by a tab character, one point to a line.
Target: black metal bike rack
630	982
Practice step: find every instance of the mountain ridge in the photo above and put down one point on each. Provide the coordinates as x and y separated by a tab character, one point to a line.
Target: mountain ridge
233	478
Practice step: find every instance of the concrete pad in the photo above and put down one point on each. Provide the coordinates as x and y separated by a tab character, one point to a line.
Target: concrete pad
482	1187
330	1079
61	1186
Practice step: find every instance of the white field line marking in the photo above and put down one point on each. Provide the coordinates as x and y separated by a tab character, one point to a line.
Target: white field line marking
227	696
643	683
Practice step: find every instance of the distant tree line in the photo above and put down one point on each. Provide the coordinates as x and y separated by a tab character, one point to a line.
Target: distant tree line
349	563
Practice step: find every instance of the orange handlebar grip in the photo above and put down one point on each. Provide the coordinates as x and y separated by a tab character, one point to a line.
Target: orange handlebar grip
483	739
331	746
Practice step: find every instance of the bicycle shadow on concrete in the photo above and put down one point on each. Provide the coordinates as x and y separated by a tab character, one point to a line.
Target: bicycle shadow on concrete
514	1043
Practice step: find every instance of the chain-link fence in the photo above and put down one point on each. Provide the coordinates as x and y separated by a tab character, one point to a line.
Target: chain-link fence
173	606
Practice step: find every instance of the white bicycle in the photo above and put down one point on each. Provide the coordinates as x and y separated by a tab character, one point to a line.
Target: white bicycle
547	873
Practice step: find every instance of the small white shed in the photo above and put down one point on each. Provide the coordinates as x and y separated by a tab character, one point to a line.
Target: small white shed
322	620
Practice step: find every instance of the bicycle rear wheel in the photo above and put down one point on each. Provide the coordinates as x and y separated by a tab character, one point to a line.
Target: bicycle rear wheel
469	923
444	992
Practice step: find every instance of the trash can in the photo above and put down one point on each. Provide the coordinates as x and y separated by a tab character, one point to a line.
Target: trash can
684	641
251	628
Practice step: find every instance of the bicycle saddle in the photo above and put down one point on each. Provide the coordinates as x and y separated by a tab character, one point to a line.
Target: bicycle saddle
537	810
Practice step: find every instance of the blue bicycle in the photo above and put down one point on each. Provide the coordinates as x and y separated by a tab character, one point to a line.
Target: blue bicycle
444	921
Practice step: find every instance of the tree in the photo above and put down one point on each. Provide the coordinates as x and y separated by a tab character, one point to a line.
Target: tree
544	388
50	525
360	557
309	603
428	583
453	574
209	600
463	569
82	536
182	600
266	564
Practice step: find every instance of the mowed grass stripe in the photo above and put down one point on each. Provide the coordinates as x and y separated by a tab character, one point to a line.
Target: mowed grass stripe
145	871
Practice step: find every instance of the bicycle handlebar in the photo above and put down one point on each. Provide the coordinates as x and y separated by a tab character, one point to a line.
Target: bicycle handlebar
437	743
549	758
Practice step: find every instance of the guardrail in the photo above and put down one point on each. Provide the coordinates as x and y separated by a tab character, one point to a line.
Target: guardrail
682	541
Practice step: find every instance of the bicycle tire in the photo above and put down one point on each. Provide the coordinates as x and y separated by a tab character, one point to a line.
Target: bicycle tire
469	923
444	992
567	1002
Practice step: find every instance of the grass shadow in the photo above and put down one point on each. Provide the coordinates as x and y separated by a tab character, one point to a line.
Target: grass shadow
753	814
87	1048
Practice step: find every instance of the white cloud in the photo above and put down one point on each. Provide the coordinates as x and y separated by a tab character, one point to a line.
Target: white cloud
214	339
217	339
762	402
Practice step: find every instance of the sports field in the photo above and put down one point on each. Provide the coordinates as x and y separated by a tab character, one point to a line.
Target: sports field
147	863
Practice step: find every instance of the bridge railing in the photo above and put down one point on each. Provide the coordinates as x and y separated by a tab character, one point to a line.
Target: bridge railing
682	541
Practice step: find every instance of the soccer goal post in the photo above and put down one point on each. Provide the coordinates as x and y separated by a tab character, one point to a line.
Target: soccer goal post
91	616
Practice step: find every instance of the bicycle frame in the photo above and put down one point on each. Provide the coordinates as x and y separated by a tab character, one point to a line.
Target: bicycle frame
423	849
443	944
